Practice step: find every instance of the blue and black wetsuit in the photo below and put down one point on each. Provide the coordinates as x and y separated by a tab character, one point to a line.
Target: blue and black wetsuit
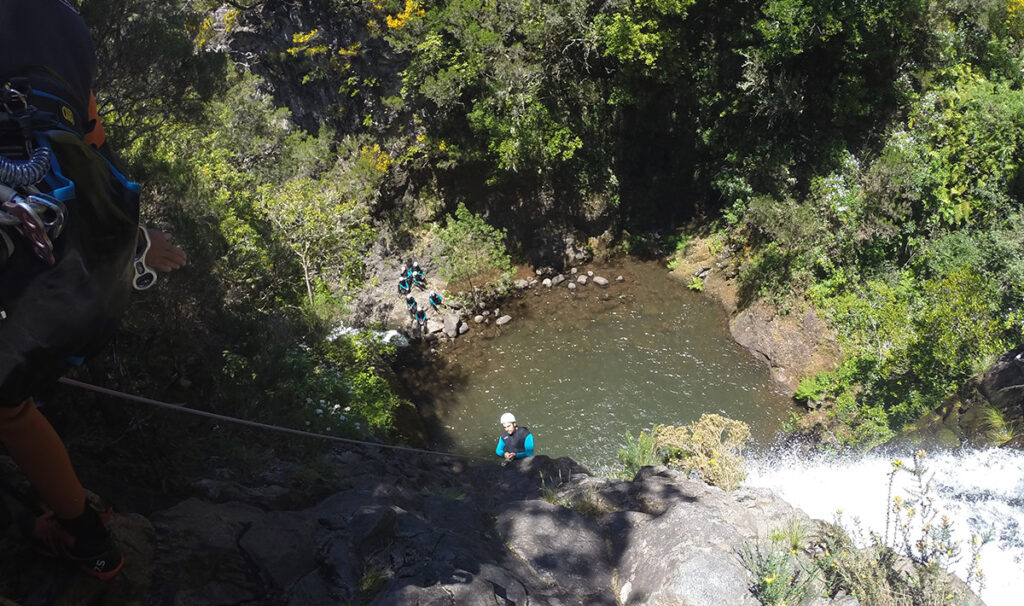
519	441
435	300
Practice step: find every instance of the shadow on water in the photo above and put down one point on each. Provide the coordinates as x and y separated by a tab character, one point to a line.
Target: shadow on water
581	369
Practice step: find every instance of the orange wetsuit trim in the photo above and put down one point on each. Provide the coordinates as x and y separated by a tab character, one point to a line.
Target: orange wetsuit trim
35	446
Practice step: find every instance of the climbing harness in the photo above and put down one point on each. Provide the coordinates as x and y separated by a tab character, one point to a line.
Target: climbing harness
24	209
68	235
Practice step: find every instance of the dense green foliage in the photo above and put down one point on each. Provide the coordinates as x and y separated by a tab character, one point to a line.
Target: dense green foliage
470	247
861	157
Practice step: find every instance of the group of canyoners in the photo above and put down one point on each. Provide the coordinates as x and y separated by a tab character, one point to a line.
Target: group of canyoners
412	275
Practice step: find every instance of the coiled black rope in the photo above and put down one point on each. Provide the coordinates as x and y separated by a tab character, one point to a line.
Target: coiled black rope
21	173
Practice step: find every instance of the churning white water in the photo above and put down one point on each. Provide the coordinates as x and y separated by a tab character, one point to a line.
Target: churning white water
981	491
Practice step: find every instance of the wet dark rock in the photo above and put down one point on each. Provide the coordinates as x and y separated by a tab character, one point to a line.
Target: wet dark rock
1003	384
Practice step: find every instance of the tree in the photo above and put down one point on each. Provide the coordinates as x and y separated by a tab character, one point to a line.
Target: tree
148	67
325	230
471	247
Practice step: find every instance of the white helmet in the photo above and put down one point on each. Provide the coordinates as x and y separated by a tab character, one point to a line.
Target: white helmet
508	418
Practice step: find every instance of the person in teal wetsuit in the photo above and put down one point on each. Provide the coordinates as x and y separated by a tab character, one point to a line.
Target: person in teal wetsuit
516	442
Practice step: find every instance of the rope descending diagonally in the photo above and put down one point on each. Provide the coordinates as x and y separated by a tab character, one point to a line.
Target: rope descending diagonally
246	422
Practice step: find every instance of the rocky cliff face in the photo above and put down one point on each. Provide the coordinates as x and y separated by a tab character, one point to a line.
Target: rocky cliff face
402	528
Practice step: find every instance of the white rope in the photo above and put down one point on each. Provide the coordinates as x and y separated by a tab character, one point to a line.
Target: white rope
237	421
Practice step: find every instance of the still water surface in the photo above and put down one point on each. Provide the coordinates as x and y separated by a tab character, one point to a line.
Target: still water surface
583	369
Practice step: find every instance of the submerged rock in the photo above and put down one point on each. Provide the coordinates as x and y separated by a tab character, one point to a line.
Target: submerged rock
503	320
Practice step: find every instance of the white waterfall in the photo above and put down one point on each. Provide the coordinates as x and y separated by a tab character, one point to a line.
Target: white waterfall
980	490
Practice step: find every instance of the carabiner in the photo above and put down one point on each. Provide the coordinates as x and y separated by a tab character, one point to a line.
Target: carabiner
32	227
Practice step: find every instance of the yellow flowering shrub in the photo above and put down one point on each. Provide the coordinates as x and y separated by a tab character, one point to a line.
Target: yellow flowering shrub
412	9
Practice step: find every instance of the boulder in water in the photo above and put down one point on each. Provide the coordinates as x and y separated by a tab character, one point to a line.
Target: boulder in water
503	320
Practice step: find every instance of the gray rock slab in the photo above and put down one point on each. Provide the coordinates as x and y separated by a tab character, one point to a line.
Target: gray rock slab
600	281
503	320
278	543
451	325
564	548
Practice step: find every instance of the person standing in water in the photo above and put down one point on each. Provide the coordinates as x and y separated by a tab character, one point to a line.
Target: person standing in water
516	442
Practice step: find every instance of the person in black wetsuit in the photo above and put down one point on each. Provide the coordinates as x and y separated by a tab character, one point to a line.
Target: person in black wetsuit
516	442
60	298
434	299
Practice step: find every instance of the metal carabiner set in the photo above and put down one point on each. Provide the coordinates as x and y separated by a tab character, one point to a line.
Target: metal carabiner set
24	209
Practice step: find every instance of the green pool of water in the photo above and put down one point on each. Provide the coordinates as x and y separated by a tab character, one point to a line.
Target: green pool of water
583	369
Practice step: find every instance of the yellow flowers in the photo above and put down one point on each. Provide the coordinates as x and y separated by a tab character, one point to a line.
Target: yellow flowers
381	159
349	51
301	46
300	38
771	579
412	9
